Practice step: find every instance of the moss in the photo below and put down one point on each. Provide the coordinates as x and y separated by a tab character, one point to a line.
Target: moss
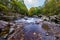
5	31
45	27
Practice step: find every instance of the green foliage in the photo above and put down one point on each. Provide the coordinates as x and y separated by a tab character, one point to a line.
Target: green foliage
34	11
31	11
13	6
19	7
3	7
51	8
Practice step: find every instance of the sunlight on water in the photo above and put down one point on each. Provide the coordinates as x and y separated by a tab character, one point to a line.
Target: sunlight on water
29	20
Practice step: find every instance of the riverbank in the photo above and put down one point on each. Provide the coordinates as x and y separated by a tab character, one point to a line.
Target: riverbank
51	29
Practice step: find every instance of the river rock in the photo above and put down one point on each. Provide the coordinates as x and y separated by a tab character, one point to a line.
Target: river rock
3	24
55	19
35	16
45	18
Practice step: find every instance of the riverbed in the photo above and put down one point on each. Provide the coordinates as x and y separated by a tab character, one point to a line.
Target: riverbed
34	29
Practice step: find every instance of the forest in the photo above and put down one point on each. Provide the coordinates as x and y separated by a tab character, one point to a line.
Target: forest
49	8
13	7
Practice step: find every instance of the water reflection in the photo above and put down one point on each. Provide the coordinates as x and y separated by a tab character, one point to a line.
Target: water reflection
29	20
34	31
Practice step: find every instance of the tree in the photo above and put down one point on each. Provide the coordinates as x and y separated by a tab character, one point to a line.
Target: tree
31	11
51	8
19	7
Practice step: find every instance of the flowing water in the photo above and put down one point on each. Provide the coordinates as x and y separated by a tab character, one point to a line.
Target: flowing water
33	29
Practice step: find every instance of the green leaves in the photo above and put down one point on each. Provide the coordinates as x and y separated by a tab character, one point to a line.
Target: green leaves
51	8
13	6
34	11
19	7
3	7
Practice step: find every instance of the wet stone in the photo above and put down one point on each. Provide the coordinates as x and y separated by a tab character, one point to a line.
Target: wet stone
29	30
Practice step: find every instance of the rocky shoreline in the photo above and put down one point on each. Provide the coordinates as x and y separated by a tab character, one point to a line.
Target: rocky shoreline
10	27
7	29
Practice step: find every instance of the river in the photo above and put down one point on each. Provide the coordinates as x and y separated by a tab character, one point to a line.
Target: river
33	29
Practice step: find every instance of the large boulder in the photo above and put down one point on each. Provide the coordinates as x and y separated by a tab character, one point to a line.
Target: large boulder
55	19
45	18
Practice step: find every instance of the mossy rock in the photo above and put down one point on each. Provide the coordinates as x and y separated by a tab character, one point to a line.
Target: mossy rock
5	31
45	27
45	19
